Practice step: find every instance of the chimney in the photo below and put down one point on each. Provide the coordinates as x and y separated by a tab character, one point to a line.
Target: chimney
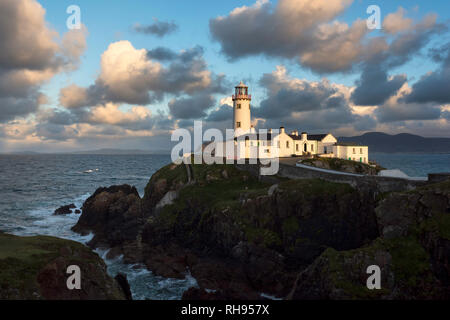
252	129
304	136
281	129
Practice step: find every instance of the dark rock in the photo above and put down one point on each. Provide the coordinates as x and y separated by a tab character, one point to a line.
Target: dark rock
124	285
64	209
113	214
77	211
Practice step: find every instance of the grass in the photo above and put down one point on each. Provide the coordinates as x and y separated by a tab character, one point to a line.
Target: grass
316	187
21	259
172	173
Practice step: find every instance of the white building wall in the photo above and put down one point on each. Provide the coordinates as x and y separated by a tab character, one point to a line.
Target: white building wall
327	143
241	115
354	153
286	145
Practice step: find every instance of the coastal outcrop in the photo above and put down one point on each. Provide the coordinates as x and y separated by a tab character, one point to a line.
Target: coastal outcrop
67	209
242	238
34	268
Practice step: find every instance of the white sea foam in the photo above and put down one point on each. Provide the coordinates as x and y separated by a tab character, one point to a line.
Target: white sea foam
143	283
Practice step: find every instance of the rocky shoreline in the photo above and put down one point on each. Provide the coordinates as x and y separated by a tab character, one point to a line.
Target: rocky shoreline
292	239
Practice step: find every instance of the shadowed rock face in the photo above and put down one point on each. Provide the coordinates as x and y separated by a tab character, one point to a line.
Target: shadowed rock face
303	239
413	253
35	268
113	214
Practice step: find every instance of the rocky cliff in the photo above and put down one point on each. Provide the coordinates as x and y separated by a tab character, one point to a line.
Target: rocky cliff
298	239
35	268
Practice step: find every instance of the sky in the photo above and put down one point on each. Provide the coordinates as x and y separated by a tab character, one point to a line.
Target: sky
135	71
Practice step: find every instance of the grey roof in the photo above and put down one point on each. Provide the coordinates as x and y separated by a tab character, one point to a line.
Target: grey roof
294	137
350	144
317	137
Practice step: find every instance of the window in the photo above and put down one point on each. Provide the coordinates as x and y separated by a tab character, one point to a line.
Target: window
267	150
238	106
287	144
296	147
360	150
278	144
312	147
324	149
238	124
354	150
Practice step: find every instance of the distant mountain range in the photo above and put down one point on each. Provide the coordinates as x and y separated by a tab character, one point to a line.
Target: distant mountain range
376	141
403	142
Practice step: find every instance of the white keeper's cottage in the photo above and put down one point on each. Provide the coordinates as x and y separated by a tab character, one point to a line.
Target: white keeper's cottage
251	144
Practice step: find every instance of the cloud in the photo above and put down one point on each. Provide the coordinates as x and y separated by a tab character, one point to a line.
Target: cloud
397	109
162	54
73	46
396	22
288	95
137	118
73	96
309	32
129	75
31	56
434	86
158	28
375	87
222	113
192	107
410	111
11	107
301	29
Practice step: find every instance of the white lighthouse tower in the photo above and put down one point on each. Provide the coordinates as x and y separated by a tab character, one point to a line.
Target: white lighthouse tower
241	109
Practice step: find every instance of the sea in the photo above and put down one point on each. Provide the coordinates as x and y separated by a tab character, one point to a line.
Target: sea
33	186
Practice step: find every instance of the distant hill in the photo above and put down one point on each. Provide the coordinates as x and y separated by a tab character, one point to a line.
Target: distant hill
403	142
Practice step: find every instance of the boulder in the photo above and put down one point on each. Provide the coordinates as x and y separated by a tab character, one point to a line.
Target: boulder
114	215
67	209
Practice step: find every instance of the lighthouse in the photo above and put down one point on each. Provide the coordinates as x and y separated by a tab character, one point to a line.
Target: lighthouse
241	109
